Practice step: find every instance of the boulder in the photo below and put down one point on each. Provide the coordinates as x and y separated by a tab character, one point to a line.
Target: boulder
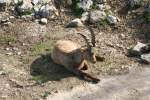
85	4
75	23
112	19
97	15
24	8
146	57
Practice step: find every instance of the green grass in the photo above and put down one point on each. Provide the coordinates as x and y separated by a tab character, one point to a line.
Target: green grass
40	78
5	39
146	16
41	48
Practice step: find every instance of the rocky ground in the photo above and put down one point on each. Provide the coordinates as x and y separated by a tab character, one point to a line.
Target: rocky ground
29	30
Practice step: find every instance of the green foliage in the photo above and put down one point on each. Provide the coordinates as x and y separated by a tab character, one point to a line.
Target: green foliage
94	6
75	7
5	39
40	78
41	48
146	16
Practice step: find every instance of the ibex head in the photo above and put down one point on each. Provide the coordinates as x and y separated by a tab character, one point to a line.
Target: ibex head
89	52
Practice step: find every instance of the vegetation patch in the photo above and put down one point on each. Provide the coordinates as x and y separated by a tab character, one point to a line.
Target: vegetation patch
41	48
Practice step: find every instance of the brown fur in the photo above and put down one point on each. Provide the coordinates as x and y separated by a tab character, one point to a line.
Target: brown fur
74	58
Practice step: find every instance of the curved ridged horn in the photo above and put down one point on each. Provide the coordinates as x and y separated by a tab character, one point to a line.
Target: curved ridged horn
93	40
86	39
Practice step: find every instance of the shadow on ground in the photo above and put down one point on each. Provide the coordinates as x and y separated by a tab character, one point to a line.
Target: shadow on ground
43	69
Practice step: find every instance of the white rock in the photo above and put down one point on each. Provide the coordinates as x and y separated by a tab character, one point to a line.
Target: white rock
11	17
9	53
139	46
35	2
25	7
112	19
7	49
43	20
2	72
97	16
19	53
75	23
101	7
146	57
85	4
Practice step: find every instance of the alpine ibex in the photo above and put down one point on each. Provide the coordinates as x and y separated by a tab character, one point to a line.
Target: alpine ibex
74	57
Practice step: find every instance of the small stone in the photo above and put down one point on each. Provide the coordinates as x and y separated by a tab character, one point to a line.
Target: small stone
9	53
8	49
2	72
11	17
19	53
27	17
101	7
43	21
4	19
15	49
75	23
112	19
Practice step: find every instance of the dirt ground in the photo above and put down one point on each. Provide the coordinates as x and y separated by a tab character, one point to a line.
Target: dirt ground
32	75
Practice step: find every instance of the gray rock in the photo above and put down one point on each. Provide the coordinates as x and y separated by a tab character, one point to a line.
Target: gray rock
24	8
100	1
97	16
35	2
2	72
85	4
136	50
4	19
112	19
134	3
2	2
101	7
75	23
148	9
139	46
44	11
43	21
146	57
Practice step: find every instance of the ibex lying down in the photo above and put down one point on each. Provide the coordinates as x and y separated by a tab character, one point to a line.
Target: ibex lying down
74	57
